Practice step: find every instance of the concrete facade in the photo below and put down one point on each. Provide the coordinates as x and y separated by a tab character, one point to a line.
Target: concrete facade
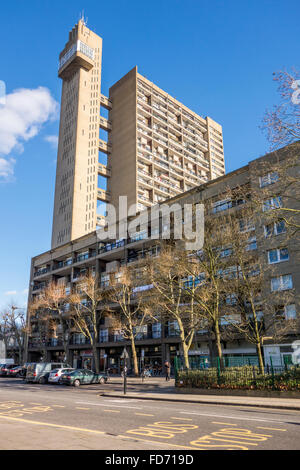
154	147
73	260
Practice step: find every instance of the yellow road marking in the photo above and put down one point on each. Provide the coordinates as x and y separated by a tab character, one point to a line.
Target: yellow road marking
143	414
157	442
59	406
270	429
182	419
33	403
228	424
80	408
72	428
112	411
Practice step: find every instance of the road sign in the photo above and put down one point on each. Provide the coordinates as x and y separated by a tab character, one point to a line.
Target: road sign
124	354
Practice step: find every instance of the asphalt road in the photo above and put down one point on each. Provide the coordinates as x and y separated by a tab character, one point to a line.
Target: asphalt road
34	416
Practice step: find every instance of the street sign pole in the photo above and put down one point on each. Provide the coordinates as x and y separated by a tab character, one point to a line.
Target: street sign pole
124	356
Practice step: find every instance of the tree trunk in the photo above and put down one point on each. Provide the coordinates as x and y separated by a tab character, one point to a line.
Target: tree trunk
134	357
185	355
260	358
96	360
218	343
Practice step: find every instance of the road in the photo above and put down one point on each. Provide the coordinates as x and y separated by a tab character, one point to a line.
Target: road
34	416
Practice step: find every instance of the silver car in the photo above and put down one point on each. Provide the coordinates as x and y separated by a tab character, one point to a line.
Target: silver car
55	375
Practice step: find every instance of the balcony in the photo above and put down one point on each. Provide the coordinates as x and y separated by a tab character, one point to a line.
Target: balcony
105	124
100	220
42	271
105	102
103	195
104	146
111	246
78	55
104	170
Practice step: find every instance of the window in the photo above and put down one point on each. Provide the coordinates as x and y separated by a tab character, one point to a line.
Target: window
259	315
272	203
103	335
275	228
173	329
267	179
222	205
156	330
193	281
140	332
281	283
286	312
231	299
246	225
290	312
252	245
225	252
278	255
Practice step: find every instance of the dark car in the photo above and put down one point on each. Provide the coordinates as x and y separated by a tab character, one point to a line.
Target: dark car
15	371
82	377
5	368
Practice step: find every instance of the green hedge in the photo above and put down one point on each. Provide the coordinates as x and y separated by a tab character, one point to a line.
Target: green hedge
240	378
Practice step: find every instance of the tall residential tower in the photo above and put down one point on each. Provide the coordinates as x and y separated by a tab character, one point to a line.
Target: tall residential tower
77	159
154	147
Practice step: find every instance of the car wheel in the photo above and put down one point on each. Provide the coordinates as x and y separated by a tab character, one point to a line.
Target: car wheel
18	375
101	380
42	380
76	383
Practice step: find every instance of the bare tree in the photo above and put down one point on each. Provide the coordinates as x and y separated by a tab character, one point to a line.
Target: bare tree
14	324
5	331
282	126
42	323
126	301
172	295
87	310
249	281
54	301
276	195
282	123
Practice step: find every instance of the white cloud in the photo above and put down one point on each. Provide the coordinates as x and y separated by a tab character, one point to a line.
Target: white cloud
6	169
11	292
21	118
53	140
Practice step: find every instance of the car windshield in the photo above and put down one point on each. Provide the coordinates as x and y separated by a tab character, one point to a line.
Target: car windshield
54	371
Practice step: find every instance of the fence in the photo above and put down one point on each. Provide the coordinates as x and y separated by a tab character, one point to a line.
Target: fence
204	362
242	377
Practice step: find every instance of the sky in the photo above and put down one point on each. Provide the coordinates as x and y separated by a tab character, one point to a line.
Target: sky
217	57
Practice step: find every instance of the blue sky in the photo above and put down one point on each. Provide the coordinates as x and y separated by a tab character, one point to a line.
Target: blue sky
217	57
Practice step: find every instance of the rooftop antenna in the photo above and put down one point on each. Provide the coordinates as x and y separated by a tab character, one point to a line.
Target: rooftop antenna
84	21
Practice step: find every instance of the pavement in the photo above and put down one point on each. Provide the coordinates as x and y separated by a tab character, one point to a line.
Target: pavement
34	416
158	389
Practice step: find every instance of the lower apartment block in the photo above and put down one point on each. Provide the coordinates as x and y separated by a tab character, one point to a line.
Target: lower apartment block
269	242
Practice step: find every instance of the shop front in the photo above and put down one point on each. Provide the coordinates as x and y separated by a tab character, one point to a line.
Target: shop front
150	358
83	359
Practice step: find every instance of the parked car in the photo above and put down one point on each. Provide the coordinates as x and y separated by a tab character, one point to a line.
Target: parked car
5	368
82	377
15	371
39	371
55	375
